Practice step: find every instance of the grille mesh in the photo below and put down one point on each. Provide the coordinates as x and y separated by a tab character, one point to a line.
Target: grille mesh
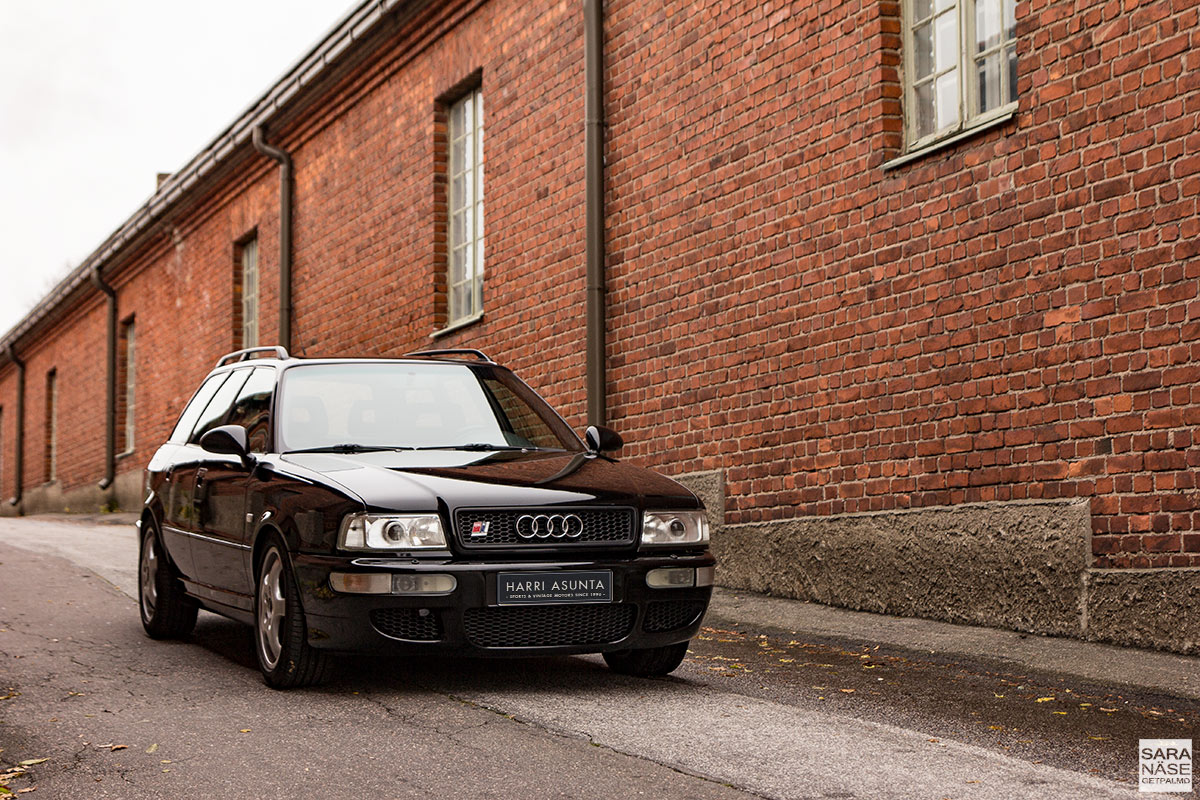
601	526
543	626
667	615
407	623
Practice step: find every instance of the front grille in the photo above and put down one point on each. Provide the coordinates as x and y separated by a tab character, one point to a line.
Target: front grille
544	626
407	623
603	527
667	615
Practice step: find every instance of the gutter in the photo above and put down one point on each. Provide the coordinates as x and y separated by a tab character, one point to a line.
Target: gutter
19	467
596	378
110	410
285	232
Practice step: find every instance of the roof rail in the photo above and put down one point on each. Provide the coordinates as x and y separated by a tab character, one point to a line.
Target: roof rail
243	355
457	351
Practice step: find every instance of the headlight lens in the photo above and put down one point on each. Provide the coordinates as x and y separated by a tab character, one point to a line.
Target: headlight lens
392	532
674	527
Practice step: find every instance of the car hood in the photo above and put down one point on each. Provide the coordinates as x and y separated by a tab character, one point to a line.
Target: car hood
417	480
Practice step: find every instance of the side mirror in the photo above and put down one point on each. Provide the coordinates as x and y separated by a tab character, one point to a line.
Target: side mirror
602	440
228	440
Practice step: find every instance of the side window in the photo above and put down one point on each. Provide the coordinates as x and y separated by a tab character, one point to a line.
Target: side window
215	412
252	409
187	420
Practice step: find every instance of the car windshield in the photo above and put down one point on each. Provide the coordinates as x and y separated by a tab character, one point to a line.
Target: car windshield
353	407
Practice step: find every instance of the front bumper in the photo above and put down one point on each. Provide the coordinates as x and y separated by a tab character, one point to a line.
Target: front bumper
470	621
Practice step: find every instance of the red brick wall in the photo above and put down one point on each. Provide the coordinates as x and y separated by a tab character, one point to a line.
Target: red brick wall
1011	317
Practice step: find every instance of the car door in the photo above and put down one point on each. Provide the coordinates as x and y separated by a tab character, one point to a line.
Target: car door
179	468
189	479
221	551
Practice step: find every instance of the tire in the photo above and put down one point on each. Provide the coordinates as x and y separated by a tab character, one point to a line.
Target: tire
650	662
281	644
166	610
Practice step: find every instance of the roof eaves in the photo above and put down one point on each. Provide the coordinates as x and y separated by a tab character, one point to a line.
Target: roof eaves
357	23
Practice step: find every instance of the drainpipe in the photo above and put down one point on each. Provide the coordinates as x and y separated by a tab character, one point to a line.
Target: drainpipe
110	416
593	35
19	467
285	232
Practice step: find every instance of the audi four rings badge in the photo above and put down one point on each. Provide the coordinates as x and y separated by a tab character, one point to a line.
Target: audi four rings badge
545	526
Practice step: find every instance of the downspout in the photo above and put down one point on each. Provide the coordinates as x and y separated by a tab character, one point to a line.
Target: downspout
19	467
596	379
285	233
110	415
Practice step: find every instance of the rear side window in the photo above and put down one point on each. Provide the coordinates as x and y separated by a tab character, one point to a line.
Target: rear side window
187	420
218	408
252	409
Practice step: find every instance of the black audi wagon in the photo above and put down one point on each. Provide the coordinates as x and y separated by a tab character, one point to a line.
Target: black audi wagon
428	504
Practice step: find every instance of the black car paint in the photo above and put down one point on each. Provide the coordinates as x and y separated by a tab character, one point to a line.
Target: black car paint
228	510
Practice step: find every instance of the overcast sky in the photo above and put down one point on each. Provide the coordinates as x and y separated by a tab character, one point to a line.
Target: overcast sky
98	96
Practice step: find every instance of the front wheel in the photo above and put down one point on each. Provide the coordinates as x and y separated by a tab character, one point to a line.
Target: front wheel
167	612
649	662
284	655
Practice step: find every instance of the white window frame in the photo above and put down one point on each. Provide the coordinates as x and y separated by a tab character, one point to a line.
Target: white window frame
465	231
250	299
130	383
970	119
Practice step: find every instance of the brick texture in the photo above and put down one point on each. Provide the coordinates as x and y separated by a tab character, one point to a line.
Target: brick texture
1015	316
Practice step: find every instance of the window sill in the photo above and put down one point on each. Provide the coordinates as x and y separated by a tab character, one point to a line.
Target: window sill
455	326
1001	116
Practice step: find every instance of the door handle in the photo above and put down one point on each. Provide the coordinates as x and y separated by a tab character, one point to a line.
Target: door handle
200	490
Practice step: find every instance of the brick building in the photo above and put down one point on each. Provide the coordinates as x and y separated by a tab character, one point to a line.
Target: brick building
907	290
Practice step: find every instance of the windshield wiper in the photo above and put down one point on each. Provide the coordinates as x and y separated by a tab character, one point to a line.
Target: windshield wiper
349	448
481	447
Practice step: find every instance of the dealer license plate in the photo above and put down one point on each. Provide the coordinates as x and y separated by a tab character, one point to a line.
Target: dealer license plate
542	588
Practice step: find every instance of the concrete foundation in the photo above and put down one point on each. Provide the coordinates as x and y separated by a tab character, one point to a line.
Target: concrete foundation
1157	608
1024	566
124	495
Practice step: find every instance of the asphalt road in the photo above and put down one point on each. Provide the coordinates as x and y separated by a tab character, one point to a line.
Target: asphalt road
756	710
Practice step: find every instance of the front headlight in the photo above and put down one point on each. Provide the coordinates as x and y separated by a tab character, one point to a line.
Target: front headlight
392	532
674	527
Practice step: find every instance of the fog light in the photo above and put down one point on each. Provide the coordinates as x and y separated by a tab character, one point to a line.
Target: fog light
671	578
361	582
423	584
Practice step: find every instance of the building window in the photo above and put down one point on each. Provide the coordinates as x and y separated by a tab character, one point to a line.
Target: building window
245	294
126	377
465	239
960	65
51	458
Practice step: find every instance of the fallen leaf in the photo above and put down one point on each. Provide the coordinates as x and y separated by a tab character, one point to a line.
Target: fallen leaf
29	762
244	730
1108	710
119	747
1043	700
1060	713
846	691
1085	705
997	695
152	748
995	727
1100	738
